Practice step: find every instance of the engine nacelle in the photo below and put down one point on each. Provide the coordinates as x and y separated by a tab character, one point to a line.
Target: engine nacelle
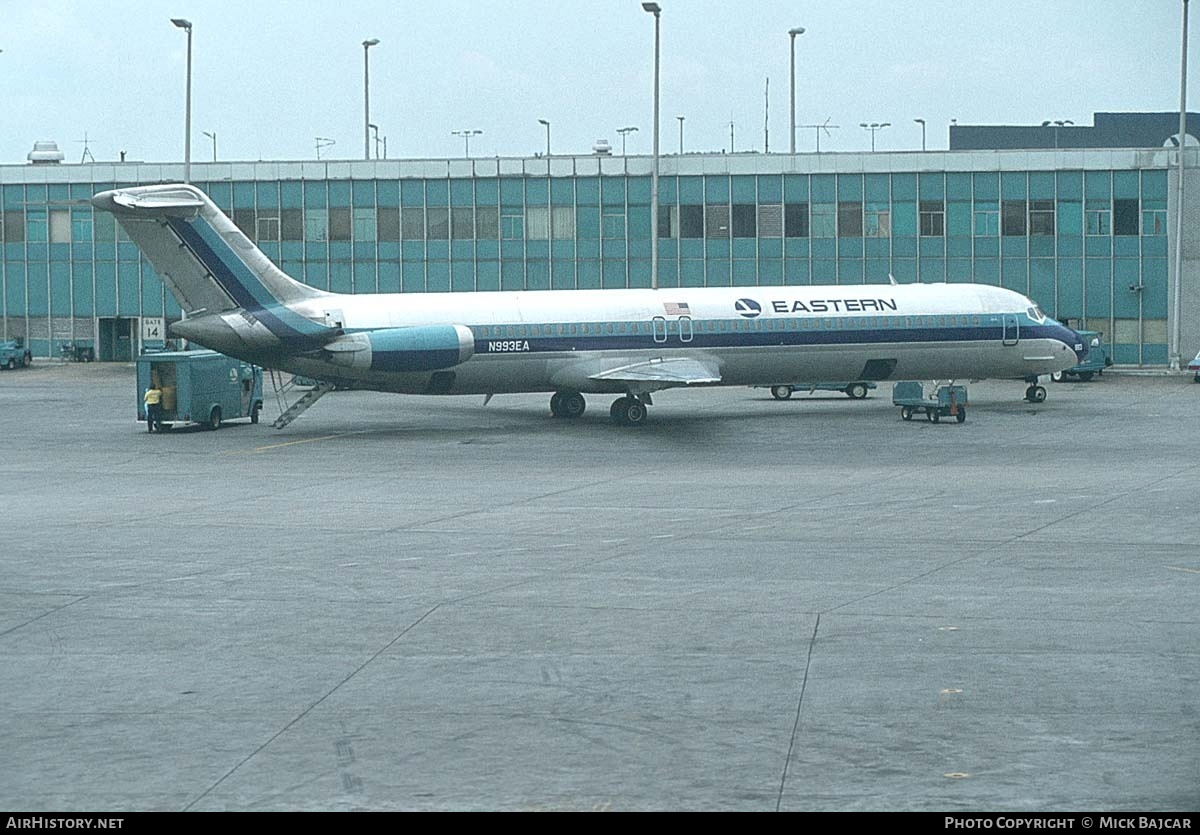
420	348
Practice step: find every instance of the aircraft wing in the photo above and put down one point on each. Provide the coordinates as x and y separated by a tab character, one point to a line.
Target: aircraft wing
663	373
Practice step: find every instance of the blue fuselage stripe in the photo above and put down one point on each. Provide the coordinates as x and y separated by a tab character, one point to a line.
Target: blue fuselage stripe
762	339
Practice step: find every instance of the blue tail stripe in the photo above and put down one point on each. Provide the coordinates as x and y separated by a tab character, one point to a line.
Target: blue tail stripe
236	279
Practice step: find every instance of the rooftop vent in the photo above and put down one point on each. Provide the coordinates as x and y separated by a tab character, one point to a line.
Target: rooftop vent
602	148
45	153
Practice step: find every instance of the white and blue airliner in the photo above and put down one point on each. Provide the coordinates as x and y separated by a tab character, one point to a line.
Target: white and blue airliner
627	343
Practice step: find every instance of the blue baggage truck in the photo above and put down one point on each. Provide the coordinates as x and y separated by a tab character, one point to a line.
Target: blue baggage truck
202	387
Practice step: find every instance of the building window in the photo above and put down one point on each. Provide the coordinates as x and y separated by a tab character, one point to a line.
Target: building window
14	227
850	220
364	224
537	223
744	221
316	225
716	222
691	221
291	224
267	229
1154	217
340	224
1012	217
933	219
878	221
987	222
612	225
81	224
487	223
795	220
824	220
770	220
244	219
60	226
668	222
412	224
1041	217
387	224
437	223
512	226
1125	216
1097	217
562	223
462	223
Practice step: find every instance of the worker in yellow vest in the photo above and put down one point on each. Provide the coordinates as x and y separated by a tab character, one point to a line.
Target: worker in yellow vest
153	400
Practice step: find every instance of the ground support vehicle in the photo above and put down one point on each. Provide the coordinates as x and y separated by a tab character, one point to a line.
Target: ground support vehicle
855	391
202	387
948	401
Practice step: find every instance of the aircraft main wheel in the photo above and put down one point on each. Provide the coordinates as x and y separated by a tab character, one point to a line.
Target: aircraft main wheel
781	392
906	412
571	404
1056	377
961	417
856	391
628	411
556	404
1035	394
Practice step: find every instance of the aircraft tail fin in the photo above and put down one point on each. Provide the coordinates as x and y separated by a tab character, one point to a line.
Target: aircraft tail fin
206	262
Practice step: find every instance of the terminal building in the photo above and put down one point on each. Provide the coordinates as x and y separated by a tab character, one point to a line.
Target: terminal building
1081	219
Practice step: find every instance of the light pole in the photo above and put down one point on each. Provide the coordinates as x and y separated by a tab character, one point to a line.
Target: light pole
873	127
1174	357
367	44
625	132
1058	123
213	137
546	122
680	118
921	122
656	10
799	30
466	135
187	119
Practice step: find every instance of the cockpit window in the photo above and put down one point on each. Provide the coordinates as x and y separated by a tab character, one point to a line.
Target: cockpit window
1036	314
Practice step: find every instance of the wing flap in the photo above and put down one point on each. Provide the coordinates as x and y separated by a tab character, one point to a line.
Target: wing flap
664	372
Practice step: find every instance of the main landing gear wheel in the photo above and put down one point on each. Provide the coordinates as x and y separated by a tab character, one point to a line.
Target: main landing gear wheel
781	392
856	391
1035	394
628	411
567	404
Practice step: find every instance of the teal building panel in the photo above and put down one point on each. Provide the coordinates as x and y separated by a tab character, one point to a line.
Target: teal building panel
770	188
691	272
587	274
537	274
614	277
1041	282
716	189
487	275
796	271
1097	288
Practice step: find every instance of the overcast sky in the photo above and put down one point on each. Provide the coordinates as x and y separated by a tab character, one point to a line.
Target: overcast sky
269	77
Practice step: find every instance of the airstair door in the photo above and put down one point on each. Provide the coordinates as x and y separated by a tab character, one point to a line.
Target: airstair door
1011	329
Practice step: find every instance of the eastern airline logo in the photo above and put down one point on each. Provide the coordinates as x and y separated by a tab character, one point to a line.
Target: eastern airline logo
747	307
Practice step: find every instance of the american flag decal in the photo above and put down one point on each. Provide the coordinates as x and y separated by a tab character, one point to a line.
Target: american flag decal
677	309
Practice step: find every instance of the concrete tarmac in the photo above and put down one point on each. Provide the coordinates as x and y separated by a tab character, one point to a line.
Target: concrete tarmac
417	603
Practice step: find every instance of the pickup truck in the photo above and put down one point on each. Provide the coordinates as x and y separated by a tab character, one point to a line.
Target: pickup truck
13	353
